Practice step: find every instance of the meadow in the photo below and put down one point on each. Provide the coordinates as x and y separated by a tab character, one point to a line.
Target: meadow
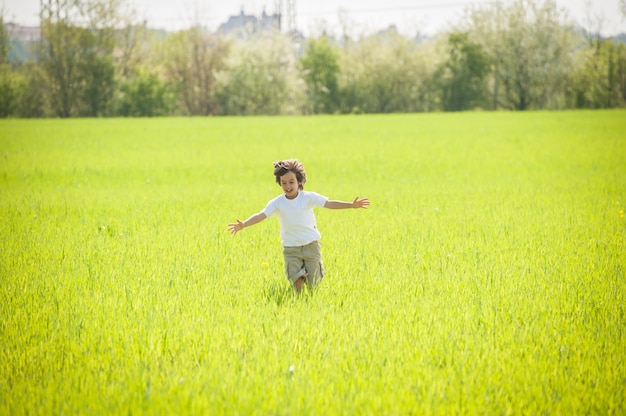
487	277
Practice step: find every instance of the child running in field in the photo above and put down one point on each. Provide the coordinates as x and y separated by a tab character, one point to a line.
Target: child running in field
298	229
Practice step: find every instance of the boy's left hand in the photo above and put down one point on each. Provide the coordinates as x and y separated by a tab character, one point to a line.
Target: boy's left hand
235	226
360	203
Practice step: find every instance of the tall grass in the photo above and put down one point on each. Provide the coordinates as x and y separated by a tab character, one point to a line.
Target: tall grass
487	276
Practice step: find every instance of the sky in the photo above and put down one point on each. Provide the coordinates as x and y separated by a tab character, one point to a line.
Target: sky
426	17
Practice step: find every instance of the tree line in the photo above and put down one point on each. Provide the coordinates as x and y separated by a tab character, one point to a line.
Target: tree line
92	61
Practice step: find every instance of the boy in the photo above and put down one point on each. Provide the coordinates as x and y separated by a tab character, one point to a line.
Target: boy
298	229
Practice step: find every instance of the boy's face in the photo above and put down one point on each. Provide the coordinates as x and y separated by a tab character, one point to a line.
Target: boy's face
290	186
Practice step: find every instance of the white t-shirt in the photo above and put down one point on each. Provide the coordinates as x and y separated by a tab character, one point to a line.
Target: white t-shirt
297	221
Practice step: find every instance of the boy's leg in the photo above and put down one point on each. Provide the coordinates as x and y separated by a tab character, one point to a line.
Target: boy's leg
294	267
313	264
297	285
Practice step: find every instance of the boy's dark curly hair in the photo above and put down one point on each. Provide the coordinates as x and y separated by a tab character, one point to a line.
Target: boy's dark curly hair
290	165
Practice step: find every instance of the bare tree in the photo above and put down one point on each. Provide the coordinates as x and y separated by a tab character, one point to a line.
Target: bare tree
593	25
192	60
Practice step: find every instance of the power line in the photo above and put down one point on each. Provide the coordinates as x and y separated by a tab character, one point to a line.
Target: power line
392	9
289	19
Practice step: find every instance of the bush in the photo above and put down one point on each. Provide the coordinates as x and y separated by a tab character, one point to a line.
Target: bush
143	95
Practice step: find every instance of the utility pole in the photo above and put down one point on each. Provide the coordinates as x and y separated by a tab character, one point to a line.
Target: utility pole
286	20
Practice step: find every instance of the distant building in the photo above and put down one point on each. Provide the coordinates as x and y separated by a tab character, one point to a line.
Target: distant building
23	33
23	41
244	25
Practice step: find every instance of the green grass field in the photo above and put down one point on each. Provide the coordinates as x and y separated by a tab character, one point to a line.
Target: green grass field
487	277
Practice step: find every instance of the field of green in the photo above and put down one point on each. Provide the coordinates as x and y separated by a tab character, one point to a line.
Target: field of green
487	277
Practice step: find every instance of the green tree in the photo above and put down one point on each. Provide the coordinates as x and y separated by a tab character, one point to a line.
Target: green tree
78	39
97	76
4	40
600	79
20	91
59	58
143	95
320	69
30	101
385	73
7	90
261	77
531	47
7	94
463	75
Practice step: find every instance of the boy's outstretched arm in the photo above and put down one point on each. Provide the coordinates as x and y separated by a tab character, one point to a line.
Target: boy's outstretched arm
357	203
235	227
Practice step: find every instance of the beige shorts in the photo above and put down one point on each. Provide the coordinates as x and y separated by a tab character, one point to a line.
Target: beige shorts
304	261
